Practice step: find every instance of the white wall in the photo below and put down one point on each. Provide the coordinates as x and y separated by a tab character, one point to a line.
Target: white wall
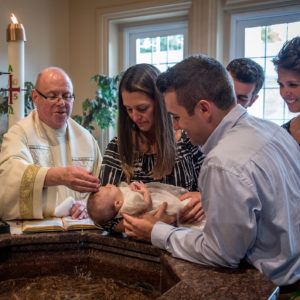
46	23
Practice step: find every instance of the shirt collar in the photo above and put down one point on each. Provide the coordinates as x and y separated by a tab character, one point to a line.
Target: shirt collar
226	124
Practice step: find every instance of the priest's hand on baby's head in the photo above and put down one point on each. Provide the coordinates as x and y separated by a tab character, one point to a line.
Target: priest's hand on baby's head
79	179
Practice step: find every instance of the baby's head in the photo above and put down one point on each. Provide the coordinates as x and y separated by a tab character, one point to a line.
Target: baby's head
104	205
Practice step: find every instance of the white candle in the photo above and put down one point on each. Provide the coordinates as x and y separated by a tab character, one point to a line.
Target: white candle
15	36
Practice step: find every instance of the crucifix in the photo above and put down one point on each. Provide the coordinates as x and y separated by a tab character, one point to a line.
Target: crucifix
11	89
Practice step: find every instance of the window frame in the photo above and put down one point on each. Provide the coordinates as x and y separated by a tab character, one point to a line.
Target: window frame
240	21
132	33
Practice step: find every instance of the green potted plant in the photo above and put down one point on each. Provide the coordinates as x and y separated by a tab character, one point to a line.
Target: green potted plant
103	109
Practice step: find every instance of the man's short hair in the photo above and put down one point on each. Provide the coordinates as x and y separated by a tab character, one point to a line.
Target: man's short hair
199	77
246	70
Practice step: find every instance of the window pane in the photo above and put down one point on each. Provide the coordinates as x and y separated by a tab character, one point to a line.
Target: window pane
254	44
288	115
257	108
276	36
273	105
145	45
270	74
293	29
164	43
162	67
175	42
161	51
159	57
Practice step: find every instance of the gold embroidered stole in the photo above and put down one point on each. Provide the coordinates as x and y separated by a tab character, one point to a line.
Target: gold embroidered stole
26	191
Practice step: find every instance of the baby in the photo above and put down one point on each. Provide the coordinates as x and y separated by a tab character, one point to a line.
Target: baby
135	199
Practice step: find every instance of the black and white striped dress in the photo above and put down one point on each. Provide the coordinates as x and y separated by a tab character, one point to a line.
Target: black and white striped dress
185	172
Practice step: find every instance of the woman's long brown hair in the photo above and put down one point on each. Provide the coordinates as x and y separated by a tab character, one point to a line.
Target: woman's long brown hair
142	78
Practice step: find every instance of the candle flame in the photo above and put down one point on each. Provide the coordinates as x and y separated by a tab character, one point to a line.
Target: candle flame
14	19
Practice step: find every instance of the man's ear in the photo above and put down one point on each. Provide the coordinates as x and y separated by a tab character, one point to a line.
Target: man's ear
204	108
34	96
253	100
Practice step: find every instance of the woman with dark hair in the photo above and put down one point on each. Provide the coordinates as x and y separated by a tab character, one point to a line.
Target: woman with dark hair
287	64
147	148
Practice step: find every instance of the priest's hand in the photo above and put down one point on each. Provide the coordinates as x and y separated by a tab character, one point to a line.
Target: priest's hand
74	177
141	228
192	212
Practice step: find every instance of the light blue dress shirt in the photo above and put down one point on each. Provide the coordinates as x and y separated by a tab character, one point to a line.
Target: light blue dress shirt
250	186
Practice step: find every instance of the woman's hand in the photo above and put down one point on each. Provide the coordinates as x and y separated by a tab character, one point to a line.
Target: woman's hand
191	213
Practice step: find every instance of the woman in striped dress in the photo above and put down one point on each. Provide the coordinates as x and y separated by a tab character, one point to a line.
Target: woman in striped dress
147	148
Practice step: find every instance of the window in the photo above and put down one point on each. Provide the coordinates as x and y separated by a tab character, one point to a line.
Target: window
112	42
161	45
261	38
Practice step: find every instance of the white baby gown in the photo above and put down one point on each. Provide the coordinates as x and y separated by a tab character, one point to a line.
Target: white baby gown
134	203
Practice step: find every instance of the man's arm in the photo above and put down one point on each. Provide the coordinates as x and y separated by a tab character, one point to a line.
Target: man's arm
229	232
73	177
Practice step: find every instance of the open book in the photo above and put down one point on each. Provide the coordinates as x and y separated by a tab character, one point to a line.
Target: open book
57	224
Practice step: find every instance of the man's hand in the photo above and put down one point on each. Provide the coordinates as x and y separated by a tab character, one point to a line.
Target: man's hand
141	228
78	210
74	177
191	213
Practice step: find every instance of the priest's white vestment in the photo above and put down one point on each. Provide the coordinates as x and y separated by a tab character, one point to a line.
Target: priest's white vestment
29	149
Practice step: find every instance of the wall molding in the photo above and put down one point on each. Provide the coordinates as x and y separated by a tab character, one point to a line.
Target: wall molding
108	21
232	5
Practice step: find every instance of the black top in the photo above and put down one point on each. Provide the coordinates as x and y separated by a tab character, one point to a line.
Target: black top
287	126
185	172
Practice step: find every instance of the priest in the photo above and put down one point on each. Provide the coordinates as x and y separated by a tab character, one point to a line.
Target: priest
47	156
